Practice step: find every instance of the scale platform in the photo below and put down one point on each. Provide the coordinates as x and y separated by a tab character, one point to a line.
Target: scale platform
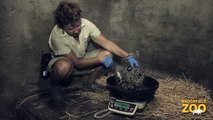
125	107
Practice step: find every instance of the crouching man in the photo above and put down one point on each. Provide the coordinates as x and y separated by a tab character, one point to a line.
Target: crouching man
69	39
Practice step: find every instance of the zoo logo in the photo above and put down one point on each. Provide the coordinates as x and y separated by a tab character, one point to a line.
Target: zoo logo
194	106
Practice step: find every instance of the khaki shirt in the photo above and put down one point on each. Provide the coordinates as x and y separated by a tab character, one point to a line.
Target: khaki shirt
61	43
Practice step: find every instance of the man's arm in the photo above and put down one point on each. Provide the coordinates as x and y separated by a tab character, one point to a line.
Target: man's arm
80	63
110	46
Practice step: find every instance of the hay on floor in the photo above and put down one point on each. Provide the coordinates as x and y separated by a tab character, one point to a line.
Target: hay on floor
167	103
96	96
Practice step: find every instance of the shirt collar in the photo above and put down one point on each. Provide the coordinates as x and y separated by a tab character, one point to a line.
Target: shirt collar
63	33
82	23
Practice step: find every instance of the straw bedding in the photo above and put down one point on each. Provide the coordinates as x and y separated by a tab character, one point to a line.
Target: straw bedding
167	103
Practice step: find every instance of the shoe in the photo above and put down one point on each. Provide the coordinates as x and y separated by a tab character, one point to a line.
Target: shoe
57	94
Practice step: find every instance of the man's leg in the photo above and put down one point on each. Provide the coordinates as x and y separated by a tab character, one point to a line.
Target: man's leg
98	70
61	71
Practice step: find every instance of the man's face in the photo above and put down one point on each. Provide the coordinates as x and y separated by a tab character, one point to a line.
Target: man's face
73	29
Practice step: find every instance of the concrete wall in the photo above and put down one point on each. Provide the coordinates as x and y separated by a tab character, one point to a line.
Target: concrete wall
172	36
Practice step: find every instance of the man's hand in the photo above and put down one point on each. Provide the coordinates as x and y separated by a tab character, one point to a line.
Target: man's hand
104	57
132	61
108	62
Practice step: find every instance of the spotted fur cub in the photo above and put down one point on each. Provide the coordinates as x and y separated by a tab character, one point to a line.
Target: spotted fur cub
129	78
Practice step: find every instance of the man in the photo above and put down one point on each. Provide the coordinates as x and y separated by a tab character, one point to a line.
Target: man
69	39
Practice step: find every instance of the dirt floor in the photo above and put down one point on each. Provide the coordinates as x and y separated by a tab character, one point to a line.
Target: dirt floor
82	104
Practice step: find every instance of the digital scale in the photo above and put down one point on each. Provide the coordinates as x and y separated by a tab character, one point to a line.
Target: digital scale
125	107
123	101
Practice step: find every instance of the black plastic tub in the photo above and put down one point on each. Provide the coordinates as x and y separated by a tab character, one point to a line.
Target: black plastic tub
146	93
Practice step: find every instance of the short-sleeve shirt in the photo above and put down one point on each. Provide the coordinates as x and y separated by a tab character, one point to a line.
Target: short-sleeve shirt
61	43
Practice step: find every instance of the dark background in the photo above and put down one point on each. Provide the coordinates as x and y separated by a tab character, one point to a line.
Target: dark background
170	36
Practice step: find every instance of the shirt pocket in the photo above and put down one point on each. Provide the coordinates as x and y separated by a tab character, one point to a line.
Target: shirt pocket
84	43
85	40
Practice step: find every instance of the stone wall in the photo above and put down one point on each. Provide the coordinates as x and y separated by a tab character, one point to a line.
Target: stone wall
172	36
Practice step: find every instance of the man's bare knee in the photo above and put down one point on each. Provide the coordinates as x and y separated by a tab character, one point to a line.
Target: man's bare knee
63	68
107	53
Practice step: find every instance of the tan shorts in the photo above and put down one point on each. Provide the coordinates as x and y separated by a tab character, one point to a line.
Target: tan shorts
91	54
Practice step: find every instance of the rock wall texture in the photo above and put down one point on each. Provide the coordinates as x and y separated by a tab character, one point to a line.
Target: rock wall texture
172	36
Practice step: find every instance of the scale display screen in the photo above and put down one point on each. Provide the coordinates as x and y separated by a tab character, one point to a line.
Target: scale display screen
122	107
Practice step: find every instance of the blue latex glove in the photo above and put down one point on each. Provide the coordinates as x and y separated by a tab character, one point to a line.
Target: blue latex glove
108	62
132	61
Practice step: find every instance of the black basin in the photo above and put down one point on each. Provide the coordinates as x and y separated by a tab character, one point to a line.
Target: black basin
146	93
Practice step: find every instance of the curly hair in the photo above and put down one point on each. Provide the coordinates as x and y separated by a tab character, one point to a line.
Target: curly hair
67	13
